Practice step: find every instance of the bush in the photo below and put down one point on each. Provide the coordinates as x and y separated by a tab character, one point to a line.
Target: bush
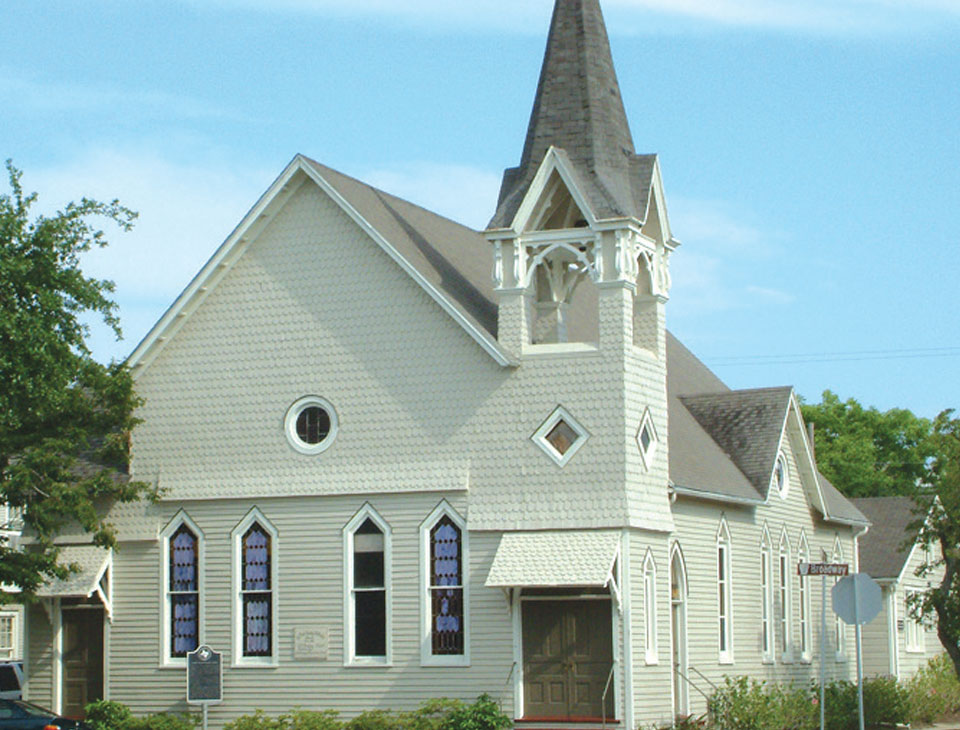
106	715
742	704
161	721
934	691
484	714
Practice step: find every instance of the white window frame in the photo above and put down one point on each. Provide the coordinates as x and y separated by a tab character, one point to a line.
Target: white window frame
782	463
290	425
12	652
236	537
766	599
181	518
839	627
785	596
650	648
803	587
724	594
540	436
914	642
427	657
350	658
651	451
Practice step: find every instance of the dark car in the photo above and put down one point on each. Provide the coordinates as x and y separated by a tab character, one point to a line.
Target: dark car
20	715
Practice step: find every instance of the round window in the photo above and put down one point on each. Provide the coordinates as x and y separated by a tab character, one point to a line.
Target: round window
311	425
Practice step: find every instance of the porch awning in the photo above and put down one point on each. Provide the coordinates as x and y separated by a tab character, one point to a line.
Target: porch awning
92	579
584	558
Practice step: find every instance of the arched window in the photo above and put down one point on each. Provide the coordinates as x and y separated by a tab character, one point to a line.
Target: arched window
806	627
839	628
650	609
724	602
367	559
181	613
444	545
255	553
766	597
784	603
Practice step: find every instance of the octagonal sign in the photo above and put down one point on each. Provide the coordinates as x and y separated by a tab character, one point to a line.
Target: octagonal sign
857	599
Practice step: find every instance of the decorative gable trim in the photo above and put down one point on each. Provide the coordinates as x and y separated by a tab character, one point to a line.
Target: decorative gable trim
552	162
271	202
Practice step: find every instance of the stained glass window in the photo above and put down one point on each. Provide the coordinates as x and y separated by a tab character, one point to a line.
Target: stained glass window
446	588
256	592
183	590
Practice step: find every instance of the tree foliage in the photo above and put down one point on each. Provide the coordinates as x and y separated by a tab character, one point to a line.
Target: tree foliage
65	419
868	453
938	522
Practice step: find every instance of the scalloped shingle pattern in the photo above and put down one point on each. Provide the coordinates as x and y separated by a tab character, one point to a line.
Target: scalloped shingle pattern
554	559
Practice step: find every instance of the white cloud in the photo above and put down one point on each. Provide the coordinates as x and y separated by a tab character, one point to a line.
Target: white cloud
465	194
186	211
528	16
37	97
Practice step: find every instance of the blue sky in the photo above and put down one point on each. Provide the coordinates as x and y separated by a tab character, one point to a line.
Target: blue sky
811	150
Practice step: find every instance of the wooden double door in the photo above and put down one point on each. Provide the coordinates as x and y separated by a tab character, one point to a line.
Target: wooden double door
82	659
567	659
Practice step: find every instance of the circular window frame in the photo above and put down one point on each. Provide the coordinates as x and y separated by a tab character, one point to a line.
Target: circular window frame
781	463
290	425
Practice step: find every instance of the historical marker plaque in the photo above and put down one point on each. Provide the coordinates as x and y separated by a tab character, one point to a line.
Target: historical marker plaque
204	676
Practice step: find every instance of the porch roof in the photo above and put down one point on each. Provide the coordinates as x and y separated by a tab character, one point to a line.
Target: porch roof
93	562
555	559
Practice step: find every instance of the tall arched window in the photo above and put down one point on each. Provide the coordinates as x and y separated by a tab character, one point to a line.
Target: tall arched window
839	628
182	611
650	609
367	546
784	602
444	547
255	555
724	602
766	597
806	627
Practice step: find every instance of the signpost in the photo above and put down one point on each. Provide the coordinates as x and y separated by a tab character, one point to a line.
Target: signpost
823	570
857	600
204	679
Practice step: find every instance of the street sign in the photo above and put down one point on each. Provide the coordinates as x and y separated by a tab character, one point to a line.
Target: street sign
857	599
838	569
204	677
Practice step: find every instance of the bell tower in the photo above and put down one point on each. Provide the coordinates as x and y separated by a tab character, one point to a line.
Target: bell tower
581	242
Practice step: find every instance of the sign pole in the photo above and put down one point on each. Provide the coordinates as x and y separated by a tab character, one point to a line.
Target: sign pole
823	650
856	609
205	706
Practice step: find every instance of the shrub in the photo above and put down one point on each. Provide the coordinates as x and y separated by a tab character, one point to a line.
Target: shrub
106	715
934	691
378	720
742	704
257	721
161	721
311	720
484	714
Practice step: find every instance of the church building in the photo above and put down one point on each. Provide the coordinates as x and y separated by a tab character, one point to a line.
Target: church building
403	459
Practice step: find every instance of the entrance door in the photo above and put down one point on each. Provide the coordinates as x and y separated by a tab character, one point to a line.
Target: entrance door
82	659
567	656
678	631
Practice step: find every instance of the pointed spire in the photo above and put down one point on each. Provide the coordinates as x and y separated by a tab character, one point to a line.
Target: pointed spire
578	109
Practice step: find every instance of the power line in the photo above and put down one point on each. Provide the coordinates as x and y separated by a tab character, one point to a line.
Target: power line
851	356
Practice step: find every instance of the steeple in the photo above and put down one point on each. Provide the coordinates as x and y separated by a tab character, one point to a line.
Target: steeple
579	110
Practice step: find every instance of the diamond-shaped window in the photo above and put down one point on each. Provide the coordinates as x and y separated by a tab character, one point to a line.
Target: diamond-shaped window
560	436
647	439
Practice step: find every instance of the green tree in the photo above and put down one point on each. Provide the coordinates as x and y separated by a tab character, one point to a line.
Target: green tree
938	522
866	452
65	419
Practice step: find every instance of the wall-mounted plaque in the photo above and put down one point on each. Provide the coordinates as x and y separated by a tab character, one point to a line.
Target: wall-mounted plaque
311	643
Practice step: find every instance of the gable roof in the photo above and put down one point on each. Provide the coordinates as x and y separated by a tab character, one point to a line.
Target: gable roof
884	550
578	108
747	425
423	243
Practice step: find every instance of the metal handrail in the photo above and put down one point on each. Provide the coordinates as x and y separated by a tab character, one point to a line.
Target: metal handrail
603	698
691	683
505	685
704	677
